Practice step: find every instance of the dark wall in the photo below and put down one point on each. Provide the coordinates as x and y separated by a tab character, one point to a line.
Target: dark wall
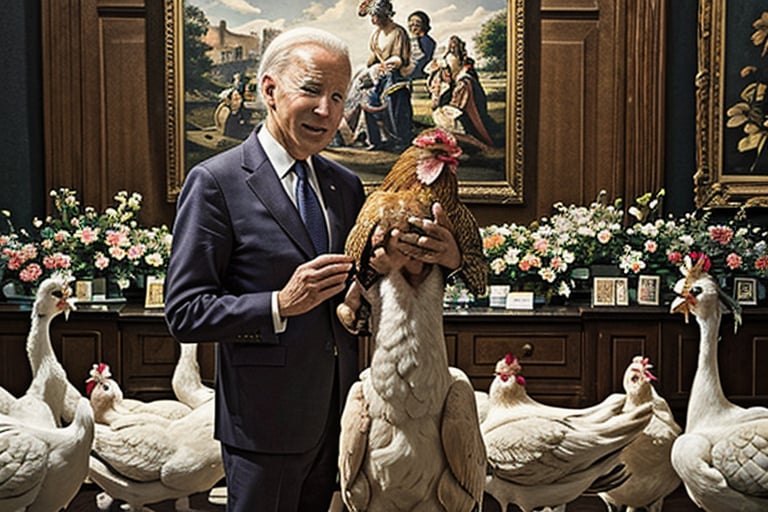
680	139
22	190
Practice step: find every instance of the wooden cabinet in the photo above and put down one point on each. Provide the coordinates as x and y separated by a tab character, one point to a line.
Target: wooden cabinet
571	356
134	342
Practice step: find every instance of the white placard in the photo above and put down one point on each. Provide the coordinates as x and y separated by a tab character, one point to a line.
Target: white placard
520	300
498	295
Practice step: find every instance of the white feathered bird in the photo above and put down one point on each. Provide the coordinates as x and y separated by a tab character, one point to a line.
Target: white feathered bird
49	379
722	457
142	458
544	456
186	382
410	435
646	458
43	467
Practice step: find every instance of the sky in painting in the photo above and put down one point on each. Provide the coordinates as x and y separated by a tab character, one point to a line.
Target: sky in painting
460	17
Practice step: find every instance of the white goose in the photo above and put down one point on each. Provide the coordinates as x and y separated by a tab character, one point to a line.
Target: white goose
722	457
54	296
187	385
43	466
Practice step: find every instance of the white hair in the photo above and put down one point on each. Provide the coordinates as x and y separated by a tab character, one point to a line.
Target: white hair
280	52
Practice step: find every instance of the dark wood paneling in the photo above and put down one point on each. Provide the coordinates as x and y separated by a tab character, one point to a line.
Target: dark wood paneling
103	106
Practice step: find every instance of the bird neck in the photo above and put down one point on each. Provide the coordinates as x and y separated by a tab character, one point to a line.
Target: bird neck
39	341
707	397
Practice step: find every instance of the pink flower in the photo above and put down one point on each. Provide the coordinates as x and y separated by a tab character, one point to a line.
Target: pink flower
61	236
651	246
761	263
136	251
733	261
720	234
101	261
675	257
49	262
62	260
31	273
88	235
541	245
524	265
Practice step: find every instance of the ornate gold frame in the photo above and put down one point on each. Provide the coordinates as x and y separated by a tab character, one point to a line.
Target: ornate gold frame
507	191
714	186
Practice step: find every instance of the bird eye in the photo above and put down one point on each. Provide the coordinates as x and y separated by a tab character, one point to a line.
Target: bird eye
105	387
57	294
634	378
696	290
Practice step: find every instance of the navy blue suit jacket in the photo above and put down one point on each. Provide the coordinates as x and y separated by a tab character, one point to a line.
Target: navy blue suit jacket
237	238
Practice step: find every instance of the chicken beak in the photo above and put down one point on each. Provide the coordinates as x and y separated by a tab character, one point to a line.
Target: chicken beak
682	304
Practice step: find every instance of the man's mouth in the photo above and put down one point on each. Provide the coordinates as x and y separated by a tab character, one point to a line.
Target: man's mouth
315	129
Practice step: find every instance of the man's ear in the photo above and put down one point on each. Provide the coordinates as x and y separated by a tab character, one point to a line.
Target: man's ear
268	90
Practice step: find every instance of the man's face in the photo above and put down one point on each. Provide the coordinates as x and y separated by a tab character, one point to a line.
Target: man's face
416	26
306	101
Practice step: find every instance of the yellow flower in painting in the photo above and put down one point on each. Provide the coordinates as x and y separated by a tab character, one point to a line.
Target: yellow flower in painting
760	35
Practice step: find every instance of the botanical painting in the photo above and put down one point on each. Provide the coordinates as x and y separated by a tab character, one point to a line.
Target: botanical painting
731	113
215	48
746	78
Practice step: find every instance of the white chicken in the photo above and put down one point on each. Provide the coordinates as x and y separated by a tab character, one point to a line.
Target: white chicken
544	456
142	458
646	458
43	467
165	409
722	457
410	435
187	385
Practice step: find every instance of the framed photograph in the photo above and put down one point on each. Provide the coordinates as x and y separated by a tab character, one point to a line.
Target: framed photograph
622	291
154	294
648	290
732	154
604	291
214	48
745	290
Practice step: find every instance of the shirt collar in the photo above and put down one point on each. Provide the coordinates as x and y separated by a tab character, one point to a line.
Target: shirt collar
280	159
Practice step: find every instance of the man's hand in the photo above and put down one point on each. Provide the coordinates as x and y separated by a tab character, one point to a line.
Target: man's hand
312	283
436	244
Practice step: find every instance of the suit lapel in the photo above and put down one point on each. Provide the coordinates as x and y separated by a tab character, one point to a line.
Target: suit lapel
265	184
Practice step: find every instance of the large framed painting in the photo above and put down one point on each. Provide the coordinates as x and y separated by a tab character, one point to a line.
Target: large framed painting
731	113
472	84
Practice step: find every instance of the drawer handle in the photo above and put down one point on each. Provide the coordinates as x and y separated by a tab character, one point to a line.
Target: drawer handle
527	350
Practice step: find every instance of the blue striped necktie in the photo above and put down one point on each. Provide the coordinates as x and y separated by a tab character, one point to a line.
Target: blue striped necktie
309	208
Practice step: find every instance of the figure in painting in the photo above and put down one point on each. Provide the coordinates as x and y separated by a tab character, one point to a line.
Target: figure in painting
459	102
422	44
388	111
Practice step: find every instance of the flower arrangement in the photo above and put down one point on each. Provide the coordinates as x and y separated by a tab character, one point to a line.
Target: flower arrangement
540	257
85	244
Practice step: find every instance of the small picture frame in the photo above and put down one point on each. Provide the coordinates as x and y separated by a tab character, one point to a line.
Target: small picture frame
84	291
648	290
154	294
604	291
622	291
745	290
